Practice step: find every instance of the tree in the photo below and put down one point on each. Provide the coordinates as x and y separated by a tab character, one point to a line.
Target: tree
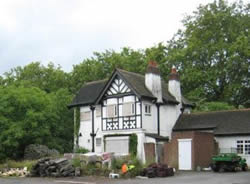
212	53
48	78
30	116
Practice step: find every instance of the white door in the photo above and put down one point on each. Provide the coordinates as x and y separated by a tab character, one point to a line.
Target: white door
185	154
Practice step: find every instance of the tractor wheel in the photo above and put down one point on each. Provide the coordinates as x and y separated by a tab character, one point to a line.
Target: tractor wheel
222	168
215	167
245	167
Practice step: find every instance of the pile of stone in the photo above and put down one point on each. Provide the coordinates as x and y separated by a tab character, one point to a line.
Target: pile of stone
37	151
158	170
60	167
14	172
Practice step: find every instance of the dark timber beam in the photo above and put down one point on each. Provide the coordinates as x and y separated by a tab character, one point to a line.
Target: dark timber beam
92	108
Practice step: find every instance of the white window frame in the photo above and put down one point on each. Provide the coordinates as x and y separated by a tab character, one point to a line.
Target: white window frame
115	111
131	109
243	146
85	116
98	112
98	141
147	109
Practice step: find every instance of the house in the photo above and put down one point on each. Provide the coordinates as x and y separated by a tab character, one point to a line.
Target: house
126	104
196	137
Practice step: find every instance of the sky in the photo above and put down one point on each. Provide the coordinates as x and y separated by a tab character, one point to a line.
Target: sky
66	32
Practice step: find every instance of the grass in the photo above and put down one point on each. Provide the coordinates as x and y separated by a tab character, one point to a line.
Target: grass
18	164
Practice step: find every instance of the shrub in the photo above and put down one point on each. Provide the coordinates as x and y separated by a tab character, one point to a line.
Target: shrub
18	164
81	150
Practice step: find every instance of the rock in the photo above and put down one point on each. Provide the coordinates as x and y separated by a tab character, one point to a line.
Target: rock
53	167
36	151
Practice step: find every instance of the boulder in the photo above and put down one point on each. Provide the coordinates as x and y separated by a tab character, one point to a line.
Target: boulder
36	151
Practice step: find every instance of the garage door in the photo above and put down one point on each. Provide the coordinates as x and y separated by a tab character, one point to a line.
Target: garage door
118	145
185	154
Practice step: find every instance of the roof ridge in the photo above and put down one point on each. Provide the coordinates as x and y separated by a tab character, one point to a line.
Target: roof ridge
138	74
210	112
95	82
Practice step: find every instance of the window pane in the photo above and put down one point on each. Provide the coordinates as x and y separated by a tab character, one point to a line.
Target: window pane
98	112
98	141
85	116
240	146
111	111
247	147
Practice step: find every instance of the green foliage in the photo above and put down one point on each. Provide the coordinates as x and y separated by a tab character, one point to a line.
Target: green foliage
212	53
18	164
116	163
76	127
30	116
214	106
81	150
133	141
76	162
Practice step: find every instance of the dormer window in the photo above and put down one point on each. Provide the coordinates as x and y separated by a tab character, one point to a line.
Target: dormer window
148	109
112	111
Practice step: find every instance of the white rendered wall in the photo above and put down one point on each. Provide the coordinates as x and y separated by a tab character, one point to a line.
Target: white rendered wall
149	122
168	117
85	129
230	142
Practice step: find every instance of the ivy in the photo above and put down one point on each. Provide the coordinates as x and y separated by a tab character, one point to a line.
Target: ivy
133	141
77	125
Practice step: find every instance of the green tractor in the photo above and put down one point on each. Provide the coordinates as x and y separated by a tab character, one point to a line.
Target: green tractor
228	162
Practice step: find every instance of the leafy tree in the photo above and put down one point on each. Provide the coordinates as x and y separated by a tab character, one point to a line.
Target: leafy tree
213	106
49	79
28	116
212	52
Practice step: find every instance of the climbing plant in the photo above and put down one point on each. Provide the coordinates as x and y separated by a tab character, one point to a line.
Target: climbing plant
133	141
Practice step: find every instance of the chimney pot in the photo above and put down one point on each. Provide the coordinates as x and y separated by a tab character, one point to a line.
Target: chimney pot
153	68
174	75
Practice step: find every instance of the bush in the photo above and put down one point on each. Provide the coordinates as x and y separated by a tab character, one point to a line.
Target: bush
81	150
76	162
18	164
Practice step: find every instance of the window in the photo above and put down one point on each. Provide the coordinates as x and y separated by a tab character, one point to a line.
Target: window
98	141
85	116
111	111
240	147
247	147
148	109
243	147
128	109
98	112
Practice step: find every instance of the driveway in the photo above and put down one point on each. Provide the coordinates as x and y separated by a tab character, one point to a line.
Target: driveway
179	178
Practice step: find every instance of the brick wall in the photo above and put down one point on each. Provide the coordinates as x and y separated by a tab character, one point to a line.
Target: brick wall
202	148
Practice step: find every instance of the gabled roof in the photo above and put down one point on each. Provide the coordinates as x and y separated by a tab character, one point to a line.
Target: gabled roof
234	122
93	92
88	94
137	84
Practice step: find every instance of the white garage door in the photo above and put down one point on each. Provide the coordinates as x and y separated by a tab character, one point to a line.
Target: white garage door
118	145
185	154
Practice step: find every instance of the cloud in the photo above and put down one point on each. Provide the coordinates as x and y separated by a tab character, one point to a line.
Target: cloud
66	32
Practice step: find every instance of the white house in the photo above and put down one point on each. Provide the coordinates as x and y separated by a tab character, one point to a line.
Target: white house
129	103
